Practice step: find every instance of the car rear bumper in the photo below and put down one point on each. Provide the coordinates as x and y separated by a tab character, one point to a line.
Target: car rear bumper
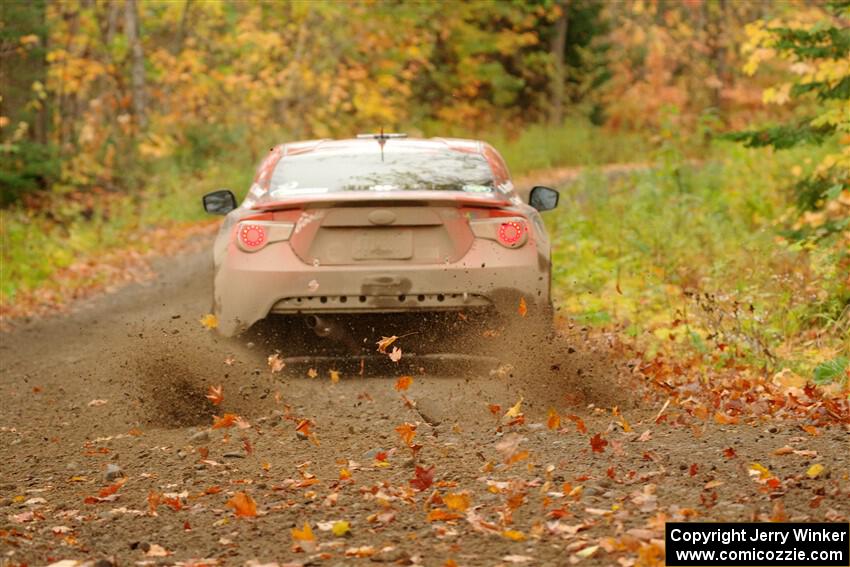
248	287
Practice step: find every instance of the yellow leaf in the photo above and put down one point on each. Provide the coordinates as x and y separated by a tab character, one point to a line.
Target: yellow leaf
209	321
815	470
762	471
458	502
304	534
312	373
523	307
514	535
334	376
516	409
340	528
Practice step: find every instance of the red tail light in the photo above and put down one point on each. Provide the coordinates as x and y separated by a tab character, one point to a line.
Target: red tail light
511	232
252	236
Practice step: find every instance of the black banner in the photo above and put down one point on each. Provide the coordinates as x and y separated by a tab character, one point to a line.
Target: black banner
691	544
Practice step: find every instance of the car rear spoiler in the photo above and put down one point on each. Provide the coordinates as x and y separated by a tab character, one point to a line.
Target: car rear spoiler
387	199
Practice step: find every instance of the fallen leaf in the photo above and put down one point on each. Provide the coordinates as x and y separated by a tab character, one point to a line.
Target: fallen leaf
513	535
787	449
458	502
340	528
757	469
276	363
815	470
312	373
304	534
597	443
423	478
243	505
406	431
215	395
112	488
95	403
729	453
553	420
209	321
693	470
515	409
227	420
580	426
334	376
385	343
523	307
439	515
811	430
403	383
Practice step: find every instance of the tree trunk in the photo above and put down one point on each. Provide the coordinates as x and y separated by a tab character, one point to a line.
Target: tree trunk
137	70
559	44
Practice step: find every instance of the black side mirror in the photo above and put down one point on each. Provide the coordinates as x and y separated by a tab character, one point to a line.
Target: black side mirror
219	202
543	198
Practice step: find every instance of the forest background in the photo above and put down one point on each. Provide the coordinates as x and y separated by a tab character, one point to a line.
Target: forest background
721	247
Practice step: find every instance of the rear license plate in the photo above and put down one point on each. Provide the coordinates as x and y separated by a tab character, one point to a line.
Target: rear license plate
384	245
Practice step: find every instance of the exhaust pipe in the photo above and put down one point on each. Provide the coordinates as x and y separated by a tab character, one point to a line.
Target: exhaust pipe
331	329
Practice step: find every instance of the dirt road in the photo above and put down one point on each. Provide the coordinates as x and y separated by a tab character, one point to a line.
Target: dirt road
115	393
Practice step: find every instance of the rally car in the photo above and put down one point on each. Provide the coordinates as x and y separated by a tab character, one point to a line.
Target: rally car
380	224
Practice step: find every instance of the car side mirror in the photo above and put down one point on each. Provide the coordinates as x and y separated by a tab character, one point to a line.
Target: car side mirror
219	202
543	198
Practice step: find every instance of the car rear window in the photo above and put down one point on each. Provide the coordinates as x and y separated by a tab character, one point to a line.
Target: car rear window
399	169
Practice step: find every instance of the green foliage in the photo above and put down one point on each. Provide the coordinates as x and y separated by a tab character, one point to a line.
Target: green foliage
26	166
692	252
833	371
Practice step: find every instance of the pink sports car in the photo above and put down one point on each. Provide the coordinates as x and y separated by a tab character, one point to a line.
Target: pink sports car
380	224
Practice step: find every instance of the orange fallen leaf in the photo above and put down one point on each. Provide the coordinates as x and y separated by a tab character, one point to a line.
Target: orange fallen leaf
304	534
334	376
442	516
312	373
406	431
458	502
344	474
243	505
811	430
553	421
495	409
517	457
112	488
724	419
513	535
597	443
523	307
215	395
227	420
580	426
403	383
729	453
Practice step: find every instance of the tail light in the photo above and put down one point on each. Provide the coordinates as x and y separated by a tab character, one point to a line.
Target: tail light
510	232
253	236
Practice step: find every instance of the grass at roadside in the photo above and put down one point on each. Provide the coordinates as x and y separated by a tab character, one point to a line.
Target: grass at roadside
691	258
79	230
